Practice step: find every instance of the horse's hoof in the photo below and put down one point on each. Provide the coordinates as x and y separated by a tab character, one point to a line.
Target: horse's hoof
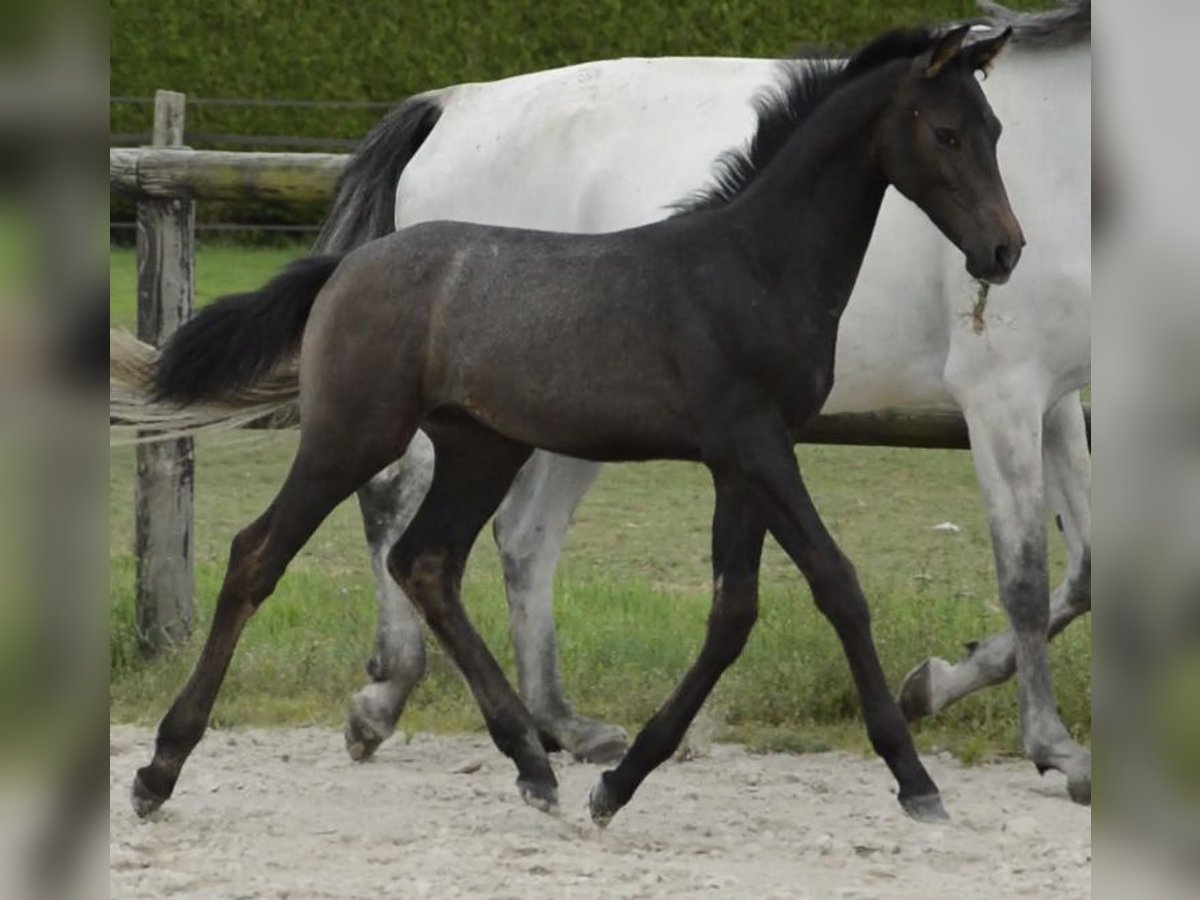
145	801
603	803
542	797
926	808
364	730
603	743
1080	789
587	740
361	739
1074	762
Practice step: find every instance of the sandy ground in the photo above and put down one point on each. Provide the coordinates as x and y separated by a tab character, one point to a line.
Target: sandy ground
284	813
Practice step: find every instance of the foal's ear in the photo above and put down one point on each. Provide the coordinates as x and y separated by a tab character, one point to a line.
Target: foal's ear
946	49
982	54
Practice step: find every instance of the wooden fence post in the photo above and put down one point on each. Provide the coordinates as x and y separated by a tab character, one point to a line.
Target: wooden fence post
165	284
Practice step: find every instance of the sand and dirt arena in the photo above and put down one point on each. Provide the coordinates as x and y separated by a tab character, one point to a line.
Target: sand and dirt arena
284	813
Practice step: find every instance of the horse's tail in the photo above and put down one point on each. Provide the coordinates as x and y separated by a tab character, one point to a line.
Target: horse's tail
364	206
231	363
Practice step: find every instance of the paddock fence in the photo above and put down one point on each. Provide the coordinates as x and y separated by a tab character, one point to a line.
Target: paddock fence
166	179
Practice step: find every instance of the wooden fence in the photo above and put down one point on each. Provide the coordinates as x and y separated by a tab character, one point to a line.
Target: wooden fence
167	179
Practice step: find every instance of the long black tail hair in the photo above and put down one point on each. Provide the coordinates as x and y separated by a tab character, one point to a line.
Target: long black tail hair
236	340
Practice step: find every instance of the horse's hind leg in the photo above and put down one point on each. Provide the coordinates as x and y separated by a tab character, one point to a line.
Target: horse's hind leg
529	528
1006	448
388	503
472	472
323	474
936	684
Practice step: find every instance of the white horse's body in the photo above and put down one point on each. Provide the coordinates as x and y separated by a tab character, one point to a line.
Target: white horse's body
609	145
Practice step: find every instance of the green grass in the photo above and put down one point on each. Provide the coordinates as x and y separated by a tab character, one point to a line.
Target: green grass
632	592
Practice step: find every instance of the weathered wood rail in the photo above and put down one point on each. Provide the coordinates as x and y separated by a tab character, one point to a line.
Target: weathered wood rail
167	179
220	175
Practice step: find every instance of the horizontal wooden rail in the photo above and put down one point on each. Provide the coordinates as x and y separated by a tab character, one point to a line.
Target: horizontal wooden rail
927	429
930	429
222	175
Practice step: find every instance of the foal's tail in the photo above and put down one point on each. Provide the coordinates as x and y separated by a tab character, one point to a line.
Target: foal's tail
236	340
233	363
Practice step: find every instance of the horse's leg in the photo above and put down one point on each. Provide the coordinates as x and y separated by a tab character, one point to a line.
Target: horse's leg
765	455
471	477
388	503
321	476
1005	426
935	683
737	549
529	528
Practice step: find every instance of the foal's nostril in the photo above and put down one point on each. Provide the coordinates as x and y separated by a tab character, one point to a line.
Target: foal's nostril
1004	258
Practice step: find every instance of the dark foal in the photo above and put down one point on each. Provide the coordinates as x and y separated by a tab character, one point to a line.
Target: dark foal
709	337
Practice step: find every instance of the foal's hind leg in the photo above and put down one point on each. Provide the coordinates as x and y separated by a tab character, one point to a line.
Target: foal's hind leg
737	550
388	503
472	472
321	477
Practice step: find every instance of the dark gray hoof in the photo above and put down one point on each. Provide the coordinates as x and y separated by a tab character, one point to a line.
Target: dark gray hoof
916	693
926	808
361	740
1080	790
145	801
605	744
603	803
587	740
542	797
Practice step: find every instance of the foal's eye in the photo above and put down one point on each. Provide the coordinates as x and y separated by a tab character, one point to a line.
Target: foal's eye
947	137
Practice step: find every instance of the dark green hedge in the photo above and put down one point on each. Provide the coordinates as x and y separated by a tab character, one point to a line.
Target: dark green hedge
384	50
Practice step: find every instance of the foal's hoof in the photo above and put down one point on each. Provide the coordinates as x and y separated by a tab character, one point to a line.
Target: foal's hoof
145	801
603	802
542	797
926	808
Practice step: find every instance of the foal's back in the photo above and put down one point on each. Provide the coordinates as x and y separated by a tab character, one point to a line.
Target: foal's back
534	334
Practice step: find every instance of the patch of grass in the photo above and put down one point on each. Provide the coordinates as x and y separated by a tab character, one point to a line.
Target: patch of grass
632	594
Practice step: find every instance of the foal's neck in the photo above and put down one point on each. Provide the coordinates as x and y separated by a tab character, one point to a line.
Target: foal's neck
808	218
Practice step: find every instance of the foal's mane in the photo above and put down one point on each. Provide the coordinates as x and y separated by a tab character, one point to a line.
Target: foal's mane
783	110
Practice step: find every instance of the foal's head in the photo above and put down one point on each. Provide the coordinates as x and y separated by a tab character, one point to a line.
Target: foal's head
937	145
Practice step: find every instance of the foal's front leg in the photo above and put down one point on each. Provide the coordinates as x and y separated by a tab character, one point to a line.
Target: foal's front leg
737	550
765	454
